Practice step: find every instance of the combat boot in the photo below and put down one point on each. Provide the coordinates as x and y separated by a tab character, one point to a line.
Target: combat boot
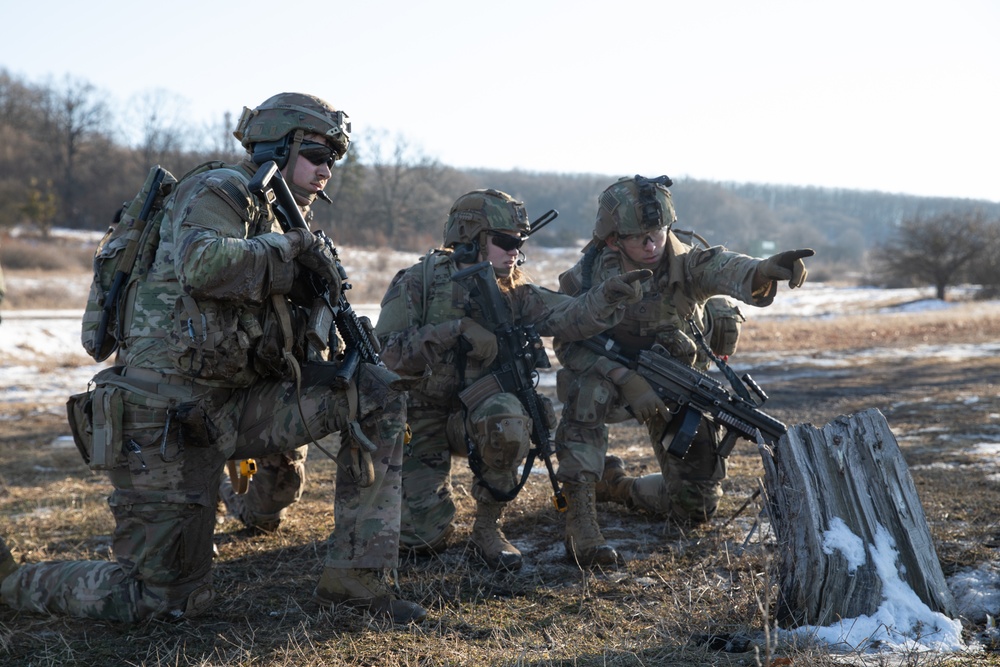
368	590
615	486
490	541
584	543
7	562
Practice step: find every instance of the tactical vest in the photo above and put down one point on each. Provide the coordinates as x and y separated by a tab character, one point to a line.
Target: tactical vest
214	341
659	317
442	300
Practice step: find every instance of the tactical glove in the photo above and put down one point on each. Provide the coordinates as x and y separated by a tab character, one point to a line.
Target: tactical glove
321	261
786	265
299	240
481	344
626	288
641	398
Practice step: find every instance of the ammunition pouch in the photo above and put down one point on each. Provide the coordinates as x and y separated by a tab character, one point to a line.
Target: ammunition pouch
80	413
206	341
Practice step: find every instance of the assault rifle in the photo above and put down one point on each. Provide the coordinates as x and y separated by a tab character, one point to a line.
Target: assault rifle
137	227
691	395
359	339
519	352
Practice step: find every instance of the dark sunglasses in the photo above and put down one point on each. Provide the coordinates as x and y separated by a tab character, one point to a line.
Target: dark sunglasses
318	153
507	242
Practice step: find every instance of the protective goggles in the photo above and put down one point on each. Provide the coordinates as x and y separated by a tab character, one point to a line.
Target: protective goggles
657	236
317	153
506	241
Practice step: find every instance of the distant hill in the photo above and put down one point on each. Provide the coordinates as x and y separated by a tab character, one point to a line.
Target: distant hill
840	224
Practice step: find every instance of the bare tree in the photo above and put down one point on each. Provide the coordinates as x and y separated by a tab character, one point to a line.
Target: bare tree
161	128
937	249
404	197
218	140
985	270
40	205
78	117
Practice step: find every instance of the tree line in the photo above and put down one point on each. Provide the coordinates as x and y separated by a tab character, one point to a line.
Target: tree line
69	159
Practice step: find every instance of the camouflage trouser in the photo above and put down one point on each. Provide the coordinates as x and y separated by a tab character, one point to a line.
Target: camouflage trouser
166	484
688	489
500	429
278	484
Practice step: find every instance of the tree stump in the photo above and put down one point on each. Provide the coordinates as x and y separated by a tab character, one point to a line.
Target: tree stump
851	470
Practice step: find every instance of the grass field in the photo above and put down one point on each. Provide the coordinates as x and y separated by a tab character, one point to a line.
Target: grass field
678	598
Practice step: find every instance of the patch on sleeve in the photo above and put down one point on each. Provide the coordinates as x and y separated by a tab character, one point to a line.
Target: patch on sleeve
391	294
234	192
706	256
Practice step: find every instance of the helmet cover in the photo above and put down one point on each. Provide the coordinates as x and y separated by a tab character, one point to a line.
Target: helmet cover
634	205
484	211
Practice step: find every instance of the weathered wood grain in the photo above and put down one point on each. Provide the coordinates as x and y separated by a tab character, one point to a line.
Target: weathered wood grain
853	469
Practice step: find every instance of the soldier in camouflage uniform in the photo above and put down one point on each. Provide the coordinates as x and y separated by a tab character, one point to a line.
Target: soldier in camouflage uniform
426	319
633	230
211	348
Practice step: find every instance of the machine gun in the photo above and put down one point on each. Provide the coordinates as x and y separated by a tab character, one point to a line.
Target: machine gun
691	395
519	353
360	342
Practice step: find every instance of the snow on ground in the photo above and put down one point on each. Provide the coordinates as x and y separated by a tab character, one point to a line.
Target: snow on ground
42	362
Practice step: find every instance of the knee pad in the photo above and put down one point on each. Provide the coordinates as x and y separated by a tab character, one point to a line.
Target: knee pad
501	430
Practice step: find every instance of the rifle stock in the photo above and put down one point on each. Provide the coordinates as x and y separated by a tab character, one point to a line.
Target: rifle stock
695	395
112	298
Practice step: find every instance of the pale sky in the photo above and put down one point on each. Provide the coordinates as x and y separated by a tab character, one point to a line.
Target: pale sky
894	95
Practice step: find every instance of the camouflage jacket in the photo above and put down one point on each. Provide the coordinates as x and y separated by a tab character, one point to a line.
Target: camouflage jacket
204	308
681	284
419	323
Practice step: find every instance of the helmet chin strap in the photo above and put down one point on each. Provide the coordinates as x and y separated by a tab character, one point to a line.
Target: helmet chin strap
302	196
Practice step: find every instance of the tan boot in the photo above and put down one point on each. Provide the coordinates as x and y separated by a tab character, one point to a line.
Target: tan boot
584	543
615	486
7	562
489	539
366	589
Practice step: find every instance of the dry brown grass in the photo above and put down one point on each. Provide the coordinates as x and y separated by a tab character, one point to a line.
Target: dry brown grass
680	594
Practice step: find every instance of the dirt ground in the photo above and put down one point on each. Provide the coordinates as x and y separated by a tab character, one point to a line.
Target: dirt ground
677	590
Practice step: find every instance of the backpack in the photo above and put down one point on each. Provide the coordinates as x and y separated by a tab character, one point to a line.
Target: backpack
124	255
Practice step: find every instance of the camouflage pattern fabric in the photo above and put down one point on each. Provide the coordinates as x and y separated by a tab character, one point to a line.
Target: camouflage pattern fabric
166	426
277	485
419	330
685	279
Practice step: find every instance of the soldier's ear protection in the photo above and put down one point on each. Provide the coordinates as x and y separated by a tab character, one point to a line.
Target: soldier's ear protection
266	151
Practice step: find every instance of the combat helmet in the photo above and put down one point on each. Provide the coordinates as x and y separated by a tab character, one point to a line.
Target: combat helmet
634	205
274	130
480	211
